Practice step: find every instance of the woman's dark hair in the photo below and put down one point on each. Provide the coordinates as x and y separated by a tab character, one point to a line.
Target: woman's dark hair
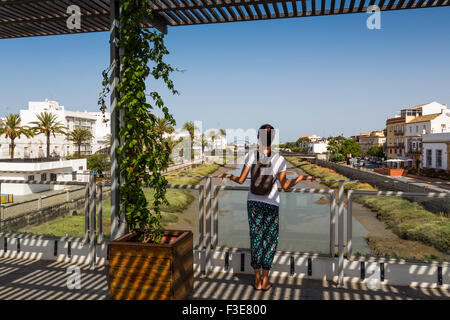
270	133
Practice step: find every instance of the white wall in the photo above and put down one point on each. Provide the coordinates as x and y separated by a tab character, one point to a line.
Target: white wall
63	170
433	107
433	147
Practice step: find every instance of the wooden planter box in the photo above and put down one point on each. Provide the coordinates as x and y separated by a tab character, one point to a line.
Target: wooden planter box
147	271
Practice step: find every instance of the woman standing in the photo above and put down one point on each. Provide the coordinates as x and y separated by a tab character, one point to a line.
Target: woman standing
263	202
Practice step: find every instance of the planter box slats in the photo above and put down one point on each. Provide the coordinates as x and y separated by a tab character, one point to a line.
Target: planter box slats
140	271
141	262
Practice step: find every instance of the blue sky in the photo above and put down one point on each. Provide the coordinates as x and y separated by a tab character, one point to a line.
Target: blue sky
321	75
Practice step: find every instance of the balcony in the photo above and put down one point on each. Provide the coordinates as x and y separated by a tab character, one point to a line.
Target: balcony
224	272
399	132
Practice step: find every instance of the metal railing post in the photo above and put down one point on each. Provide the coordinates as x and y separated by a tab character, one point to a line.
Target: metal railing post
208	226
100	213
2	212
349	223
86	212
39	204
341	234
2	216
215	227
201	218
92	212
333	224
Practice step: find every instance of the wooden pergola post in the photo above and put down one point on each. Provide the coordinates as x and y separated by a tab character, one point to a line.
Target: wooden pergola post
118	221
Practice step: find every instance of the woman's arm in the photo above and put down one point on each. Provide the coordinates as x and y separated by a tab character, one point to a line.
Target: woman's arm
240	179
287	184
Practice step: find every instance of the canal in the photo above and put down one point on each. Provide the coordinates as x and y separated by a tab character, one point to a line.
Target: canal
304	220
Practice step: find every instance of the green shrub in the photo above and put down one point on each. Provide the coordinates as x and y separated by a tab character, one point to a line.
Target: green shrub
338	157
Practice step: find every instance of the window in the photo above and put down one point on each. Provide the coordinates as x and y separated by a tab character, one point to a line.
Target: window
43	176
417	128
438	158
428	153
74	176
31	178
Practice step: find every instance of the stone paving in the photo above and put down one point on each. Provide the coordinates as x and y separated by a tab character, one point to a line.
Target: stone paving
47	280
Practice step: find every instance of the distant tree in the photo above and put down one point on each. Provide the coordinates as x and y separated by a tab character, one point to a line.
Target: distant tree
203	141
98	162
163	126
213	136
376	151
302	141
337	157
222	132
350	146
190	127
47	124
79	136
335	144
12	130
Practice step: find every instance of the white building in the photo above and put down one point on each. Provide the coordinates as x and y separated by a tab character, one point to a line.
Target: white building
315	144
425	124
35	170
59	146
436	151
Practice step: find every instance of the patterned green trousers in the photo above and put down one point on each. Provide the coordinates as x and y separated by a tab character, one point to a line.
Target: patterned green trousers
264	231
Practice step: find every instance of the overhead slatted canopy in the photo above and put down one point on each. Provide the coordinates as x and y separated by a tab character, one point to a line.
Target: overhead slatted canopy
27	18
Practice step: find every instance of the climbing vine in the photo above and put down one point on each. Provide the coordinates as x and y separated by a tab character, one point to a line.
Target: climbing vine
143	155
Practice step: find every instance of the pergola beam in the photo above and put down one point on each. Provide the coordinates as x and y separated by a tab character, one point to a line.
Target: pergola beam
24	18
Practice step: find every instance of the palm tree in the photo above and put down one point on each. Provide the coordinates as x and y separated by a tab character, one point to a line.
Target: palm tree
12	129
213	136
79	135
163	126
190	128
48	125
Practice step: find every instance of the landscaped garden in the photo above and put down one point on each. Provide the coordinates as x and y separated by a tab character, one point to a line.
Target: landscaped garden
179	200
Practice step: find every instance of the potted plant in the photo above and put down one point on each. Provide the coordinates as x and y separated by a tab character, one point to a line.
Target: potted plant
148	262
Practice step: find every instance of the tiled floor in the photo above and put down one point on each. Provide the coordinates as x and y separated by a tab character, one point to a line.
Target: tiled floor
28	279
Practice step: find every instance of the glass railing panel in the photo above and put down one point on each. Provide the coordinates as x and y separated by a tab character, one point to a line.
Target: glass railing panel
304	221
407	227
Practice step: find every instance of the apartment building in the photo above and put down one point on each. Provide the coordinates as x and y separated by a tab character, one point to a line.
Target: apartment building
419	126
396	127
372	139
35	147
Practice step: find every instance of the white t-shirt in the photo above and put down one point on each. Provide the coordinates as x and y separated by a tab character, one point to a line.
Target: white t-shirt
278	164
